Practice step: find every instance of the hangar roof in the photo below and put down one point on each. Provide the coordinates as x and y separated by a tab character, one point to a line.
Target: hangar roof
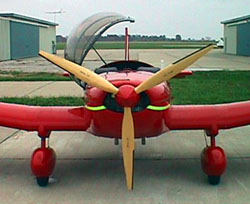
27	18
236	20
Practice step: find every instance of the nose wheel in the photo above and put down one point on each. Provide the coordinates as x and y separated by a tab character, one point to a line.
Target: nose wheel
42	163
213	162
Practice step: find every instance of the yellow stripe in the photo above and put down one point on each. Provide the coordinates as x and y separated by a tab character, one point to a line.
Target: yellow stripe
158	108
150	107
95	108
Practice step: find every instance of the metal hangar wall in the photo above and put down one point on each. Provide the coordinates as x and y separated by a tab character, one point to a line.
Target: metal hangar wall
237	36
23	36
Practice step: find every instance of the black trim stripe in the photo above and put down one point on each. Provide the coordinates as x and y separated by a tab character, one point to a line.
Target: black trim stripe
192	53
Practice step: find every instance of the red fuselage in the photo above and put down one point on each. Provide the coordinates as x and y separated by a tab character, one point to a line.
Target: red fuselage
107	121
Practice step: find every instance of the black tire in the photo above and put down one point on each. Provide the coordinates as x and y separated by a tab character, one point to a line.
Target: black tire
214	180
42	181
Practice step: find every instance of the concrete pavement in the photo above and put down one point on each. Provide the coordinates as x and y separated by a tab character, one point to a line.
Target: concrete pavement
216	59
90	170
46	89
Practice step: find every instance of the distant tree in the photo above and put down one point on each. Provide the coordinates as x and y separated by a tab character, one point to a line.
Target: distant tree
178	37
208	38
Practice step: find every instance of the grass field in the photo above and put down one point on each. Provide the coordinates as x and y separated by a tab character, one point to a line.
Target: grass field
145	45
43	101
212	87
200	88
29	76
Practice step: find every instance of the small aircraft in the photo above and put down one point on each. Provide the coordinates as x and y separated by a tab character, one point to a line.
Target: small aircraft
125	100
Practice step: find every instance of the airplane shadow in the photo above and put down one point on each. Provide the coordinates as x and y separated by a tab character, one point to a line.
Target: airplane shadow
99	172
146	171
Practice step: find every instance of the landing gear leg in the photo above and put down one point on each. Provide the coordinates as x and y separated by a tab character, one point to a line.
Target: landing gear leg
213	162
43	162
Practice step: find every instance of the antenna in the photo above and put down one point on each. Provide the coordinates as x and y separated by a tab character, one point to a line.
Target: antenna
126	44
55	13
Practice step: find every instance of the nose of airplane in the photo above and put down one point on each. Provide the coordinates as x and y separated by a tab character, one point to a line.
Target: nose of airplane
127	97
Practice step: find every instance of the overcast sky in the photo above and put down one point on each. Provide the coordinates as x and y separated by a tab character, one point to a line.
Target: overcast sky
190	18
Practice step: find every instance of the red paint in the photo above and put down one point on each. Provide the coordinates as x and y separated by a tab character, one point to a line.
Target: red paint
126	45
43	142
213	142
44	119
127	97
147	123
95	96
43	162
213	161
208	117
66	74
160	95
183	74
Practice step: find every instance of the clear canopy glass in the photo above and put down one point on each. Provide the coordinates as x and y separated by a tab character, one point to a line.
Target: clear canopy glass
84	36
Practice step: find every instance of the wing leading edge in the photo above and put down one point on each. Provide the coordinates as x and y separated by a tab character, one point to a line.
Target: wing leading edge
208	117
44	119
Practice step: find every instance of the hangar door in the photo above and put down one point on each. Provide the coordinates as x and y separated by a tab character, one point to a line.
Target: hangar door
243	38
24	40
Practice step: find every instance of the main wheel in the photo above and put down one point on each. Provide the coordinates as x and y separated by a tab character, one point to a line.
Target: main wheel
42	181
214	163
42	164
214	180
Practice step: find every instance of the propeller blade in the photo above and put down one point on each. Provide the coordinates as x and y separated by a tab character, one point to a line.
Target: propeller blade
80	72
128	146
172	70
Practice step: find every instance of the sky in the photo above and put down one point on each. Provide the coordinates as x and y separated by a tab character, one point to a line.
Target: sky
190	18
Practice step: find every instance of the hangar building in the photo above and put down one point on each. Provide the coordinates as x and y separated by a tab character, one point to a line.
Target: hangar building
237	36
23	36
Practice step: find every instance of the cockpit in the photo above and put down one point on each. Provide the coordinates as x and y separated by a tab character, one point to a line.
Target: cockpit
82	39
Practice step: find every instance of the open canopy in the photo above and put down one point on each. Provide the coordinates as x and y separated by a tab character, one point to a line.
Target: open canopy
84	36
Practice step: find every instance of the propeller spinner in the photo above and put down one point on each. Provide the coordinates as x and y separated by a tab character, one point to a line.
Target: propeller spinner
127	96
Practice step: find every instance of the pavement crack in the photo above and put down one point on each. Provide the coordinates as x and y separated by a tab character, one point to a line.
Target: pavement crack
241	184
31	92
13	134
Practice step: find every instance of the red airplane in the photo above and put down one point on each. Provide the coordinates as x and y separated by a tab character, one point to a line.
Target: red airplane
125	100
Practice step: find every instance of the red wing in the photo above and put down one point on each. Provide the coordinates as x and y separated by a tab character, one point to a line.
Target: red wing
44	119
208	117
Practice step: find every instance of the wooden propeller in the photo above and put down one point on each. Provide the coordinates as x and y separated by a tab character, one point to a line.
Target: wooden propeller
128	132
128	146
80	72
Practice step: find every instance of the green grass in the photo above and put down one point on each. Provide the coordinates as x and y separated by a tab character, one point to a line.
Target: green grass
212	87
200	88
145	45
27	76
60	46
43	101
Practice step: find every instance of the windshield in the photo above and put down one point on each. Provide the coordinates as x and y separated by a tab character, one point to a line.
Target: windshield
83	37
